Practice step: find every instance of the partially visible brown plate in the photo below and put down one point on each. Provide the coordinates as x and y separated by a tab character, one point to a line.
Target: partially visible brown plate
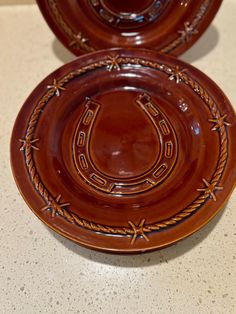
168	26
125	151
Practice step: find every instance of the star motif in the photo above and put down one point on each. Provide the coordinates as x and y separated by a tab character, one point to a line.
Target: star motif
56	87
28	143
210	189
176	74
138	230
78	40
188	32
55	206
113	63
219	122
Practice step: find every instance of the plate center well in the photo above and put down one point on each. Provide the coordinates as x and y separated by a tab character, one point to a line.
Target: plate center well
132	6
124	142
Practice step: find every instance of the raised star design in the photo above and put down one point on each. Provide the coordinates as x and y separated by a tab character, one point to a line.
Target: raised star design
78	40
187	32
210	189
176	74
138	231
55	206
113	63
219	122
28	143
56	87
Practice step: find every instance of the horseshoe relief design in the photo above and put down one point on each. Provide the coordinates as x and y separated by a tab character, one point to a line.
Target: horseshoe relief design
162	167
112	14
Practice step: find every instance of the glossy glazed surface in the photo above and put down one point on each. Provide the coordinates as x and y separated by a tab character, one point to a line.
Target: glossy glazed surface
132	6
165	25
125	150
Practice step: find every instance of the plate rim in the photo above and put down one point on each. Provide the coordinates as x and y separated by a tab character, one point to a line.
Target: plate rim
69	37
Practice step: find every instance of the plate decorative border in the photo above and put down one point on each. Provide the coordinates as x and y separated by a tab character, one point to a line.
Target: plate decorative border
78	41
207	190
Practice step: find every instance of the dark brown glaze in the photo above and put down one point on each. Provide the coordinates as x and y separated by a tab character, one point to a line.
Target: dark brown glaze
125	151
132	6
170	27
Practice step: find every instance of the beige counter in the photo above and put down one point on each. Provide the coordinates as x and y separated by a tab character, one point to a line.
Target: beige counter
41	272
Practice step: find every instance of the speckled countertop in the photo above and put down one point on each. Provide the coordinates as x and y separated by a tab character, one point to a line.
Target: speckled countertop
41	272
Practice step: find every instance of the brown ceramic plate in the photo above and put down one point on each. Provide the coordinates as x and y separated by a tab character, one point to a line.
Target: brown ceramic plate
125	150
169	26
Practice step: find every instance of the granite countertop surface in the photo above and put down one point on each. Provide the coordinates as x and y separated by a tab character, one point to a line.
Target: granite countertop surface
40	271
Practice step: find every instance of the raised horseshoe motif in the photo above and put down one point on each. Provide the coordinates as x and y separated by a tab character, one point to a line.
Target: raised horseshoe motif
124	186
116	18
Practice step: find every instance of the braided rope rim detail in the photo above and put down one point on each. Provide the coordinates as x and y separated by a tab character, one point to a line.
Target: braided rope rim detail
192	27
114	63
85	47
79	43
